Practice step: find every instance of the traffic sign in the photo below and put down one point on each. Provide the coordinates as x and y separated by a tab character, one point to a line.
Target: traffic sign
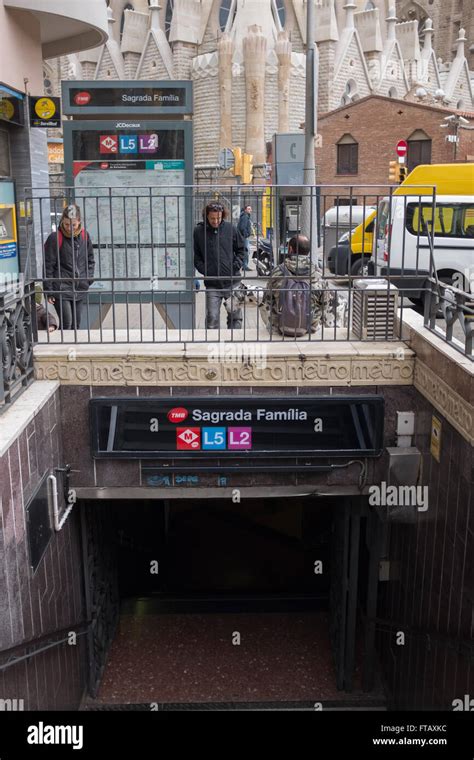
226	158
402	148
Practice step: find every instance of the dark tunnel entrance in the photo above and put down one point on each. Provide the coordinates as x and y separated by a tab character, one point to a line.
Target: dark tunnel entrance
229	603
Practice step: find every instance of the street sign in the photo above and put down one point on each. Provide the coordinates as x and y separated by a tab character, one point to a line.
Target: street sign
45	112
226	158
402	148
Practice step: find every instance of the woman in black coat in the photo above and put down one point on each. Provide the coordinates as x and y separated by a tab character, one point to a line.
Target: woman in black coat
69	267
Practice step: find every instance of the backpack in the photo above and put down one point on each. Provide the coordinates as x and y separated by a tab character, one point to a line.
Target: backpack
294	298
61	237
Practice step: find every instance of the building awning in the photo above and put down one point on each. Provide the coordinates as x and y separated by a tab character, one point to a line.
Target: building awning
67	27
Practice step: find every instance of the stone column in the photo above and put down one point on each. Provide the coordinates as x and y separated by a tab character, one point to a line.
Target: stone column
255	48
283	52
225	49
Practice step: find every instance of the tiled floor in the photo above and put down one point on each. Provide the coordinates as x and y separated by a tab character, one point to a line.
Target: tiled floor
192	658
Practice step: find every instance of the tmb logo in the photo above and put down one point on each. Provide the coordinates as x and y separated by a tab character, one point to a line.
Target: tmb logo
188	438
177	414
82	98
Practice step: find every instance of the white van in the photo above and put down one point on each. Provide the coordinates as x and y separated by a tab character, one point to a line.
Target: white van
416	211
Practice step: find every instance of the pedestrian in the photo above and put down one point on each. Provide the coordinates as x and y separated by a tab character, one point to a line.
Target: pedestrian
246	229
296	298
69	267
45	320
218	255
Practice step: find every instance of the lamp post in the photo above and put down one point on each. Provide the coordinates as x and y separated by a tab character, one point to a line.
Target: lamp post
455	121
308	204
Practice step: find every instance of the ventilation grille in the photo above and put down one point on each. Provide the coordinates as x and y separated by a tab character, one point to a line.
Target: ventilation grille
373	311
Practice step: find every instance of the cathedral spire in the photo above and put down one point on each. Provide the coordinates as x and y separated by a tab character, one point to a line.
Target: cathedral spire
460	42
350	8
428	42
155	9
391	22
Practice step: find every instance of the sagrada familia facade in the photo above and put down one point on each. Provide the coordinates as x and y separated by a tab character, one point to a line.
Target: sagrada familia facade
246	59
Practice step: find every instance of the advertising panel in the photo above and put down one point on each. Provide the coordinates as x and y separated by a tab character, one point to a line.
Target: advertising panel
130	177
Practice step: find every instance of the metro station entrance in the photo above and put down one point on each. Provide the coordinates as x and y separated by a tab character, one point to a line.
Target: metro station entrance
262	601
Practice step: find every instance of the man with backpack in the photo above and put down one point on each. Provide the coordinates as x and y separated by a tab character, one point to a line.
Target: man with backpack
69	267
296	297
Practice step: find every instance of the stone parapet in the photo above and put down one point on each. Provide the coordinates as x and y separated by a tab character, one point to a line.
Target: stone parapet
228	364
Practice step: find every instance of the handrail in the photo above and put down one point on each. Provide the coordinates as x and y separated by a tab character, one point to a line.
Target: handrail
80	629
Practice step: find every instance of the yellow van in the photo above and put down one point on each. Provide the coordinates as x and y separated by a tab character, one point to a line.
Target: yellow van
354	249
362	239
430	216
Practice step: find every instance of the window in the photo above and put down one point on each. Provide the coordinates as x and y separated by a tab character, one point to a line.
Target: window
450	219
169	17
226	13
279	11
419	152
5	168
347	155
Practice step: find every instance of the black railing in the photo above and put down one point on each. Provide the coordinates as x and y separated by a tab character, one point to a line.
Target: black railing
144	287
17	325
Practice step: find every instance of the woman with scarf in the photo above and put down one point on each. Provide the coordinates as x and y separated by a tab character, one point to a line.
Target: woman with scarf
69	268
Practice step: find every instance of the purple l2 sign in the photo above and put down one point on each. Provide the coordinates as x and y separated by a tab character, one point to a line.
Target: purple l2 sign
148	143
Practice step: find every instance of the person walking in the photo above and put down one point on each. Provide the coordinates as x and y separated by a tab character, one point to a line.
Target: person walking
245	228
218	255
69	268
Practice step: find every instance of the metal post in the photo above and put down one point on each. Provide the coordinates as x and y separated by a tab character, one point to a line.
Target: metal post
308	205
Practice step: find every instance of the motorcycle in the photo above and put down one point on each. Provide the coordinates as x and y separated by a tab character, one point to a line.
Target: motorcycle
264	259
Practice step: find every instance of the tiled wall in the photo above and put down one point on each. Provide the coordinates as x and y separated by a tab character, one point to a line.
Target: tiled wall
433	598
33	606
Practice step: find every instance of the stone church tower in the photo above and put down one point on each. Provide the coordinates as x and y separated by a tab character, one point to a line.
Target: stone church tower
247	60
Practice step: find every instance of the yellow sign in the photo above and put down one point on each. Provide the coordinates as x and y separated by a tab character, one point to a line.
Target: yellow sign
7	110
45	108
435	447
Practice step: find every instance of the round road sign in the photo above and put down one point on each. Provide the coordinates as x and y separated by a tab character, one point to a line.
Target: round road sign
402	148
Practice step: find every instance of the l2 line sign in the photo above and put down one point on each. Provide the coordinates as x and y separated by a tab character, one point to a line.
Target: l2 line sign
158	428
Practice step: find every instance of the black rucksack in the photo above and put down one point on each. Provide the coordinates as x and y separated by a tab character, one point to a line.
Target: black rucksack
294	299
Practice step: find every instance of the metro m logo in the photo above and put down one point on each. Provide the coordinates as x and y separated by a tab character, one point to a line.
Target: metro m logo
188	438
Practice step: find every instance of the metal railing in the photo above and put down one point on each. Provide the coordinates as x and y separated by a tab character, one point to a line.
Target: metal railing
17	320
144	286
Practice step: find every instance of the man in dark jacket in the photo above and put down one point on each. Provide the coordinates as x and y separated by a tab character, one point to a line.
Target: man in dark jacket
218	255
69	267
245	228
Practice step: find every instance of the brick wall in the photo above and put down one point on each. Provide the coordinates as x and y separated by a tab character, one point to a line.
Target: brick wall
377	124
